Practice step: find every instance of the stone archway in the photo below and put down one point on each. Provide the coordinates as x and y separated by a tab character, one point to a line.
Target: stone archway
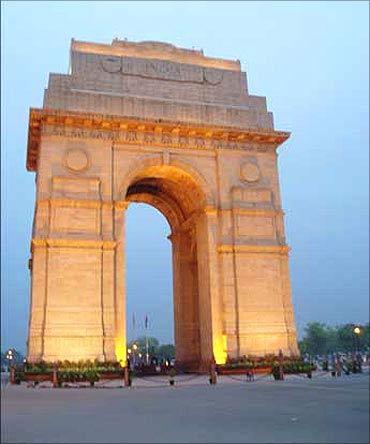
182	201
145	122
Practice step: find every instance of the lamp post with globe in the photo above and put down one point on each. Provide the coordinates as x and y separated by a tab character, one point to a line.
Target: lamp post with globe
134	348
9	357
357	361
356	332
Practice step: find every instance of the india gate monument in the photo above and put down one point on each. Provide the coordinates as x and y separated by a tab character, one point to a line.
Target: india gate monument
170	127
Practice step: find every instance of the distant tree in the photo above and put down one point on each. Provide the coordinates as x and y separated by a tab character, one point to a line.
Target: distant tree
303	346
166	351
347	340
153	345
320	338
366	337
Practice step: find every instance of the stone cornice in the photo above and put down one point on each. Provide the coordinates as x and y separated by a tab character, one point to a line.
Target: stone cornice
144	132
276	249
257	211
73	243
75	203
83	203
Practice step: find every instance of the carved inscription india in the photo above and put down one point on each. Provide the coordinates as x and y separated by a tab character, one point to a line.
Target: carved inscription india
157	69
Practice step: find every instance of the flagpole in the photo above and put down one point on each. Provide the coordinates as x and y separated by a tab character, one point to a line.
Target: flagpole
146	340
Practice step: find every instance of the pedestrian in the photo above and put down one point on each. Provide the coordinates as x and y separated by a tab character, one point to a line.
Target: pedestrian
250	374
338	367
325	364
333	369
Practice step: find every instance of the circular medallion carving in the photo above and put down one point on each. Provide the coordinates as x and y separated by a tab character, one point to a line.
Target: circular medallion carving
76	159
213	76
250	172
111	64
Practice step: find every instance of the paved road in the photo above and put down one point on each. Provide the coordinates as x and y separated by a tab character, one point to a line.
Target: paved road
322	410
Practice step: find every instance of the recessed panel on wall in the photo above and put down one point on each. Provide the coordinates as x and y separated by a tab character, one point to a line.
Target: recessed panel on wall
75	219
75	280
255	226
83	188
259	284
255	197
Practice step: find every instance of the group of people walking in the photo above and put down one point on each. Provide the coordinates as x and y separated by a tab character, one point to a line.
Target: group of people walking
342	363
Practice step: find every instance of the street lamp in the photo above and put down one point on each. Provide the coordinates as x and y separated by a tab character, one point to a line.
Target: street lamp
135	347
9	357
357	332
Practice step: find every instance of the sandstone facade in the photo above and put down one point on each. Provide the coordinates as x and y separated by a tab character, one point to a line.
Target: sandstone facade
149	122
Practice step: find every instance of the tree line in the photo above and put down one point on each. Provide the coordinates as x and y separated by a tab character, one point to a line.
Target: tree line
322	339
160	351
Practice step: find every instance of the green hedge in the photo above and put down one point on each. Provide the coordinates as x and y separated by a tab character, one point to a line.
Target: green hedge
247	365
295	367
289	366
90	375
76	367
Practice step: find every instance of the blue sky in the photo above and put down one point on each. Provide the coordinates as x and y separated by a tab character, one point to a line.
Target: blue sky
310	59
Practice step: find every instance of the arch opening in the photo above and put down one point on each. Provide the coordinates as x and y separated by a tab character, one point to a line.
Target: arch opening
181	200
148	251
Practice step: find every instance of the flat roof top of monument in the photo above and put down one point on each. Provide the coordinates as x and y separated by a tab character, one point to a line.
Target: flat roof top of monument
155	50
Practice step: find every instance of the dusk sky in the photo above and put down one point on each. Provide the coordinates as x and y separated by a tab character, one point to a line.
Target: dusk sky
311	61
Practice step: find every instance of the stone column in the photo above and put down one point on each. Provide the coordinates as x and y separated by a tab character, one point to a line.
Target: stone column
185	291
119	279
175	239
210	304
264	307
37	302
292	344
108	301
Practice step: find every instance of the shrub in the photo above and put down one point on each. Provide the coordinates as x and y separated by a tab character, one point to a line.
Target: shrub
19	376
289	365
77	367
92	376
294	367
